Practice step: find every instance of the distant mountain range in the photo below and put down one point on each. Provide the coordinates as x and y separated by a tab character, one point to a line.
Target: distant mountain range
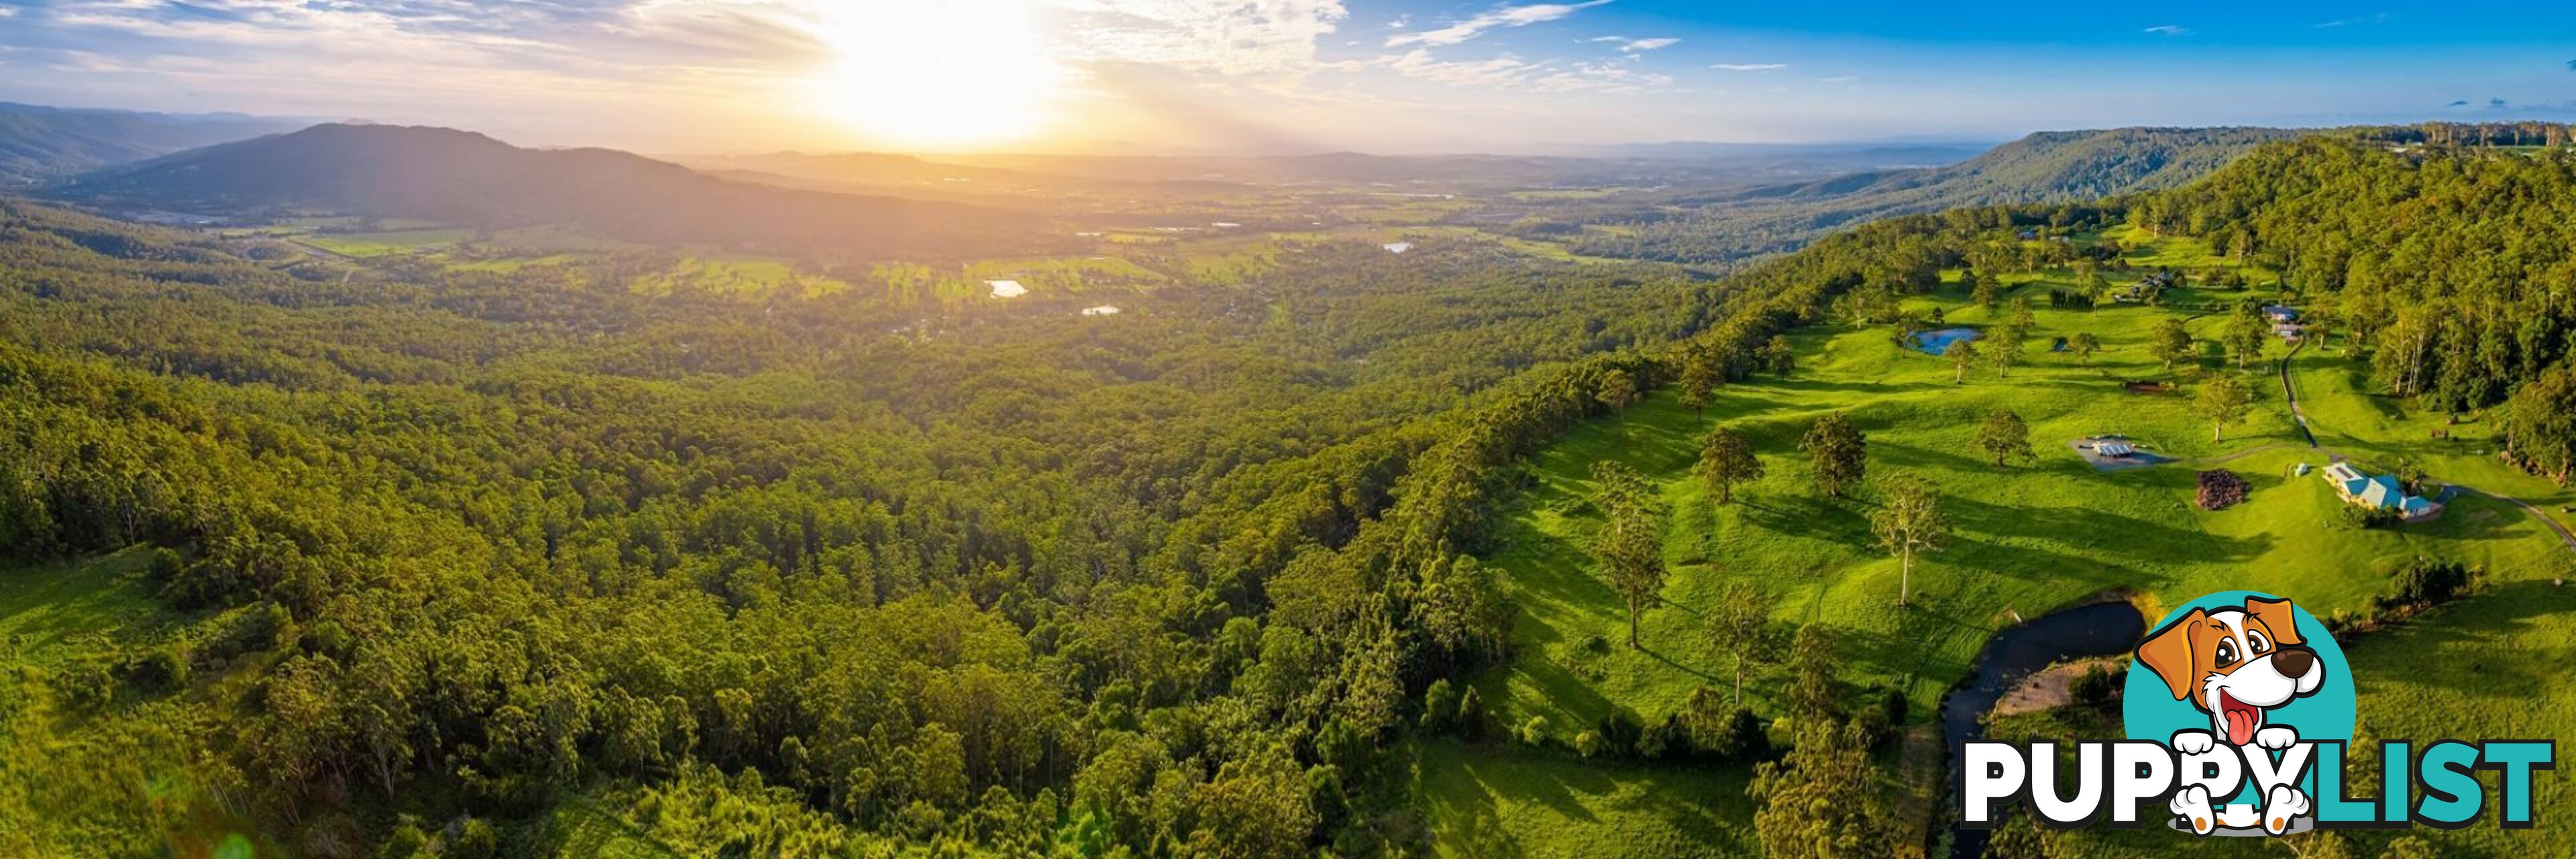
466	178
1719	224
1706	202
2047	167
42	144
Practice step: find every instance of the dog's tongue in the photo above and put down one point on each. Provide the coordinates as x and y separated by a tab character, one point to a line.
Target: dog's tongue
2241	719
2240	726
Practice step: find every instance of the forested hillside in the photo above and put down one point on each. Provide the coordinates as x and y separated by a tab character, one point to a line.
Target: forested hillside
2451	268
487	544
2046	167
41	144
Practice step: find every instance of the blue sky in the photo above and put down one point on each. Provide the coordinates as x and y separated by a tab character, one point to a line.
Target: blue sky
1287	75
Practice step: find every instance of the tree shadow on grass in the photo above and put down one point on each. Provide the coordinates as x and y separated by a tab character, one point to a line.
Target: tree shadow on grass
2475	647
2059	524
1808	515
1872	387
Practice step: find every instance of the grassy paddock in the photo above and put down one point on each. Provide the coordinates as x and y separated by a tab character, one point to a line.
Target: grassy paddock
2030	537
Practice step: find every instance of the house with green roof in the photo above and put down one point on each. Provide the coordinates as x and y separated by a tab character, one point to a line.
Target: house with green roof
2379	491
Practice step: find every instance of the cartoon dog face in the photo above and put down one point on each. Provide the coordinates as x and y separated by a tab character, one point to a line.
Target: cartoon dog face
2241	662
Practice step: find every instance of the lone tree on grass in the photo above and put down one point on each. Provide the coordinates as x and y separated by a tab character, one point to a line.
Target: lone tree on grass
2171	342
1726	459
2004	349
1630	544
2246	334
1981	290
2223	400
1814	690
2007	335
2084	344
1777	355
1741	625
1618	389
2004	436
1839	451
1963	355
1911	522
1702	374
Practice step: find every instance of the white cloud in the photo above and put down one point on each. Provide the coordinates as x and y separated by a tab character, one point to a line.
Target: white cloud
1253	37
1599	77
1499	71
1512	72
1750	67
1840	79
1499	16
1638	45
2169	30
2373	18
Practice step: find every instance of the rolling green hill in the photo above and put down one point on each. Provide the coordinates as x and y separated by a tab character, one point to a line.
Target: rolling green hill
468	179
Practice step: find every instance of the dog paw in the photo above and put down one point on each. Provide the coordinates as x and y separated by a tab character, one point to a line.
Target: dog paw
2193	742
2192	805
2282	805
2276	738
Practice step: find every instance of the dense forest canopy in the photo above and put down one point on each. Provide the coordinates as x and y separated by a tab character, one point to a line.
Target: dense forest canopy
497	538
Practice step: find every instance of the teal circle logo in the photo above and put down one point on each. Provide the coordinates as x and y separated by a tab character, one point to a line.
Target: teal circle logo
2244	668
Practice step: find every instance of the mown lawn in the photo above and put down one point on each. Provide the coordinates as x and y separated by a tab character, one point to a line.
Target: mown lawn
2030	537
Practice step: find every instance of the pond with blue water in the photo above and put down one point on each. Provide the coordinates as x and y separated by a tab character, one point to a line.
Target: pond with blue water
1937	341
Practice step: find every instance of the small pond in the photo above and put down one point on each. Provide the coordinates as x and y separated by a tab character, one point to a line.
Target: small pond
1938	341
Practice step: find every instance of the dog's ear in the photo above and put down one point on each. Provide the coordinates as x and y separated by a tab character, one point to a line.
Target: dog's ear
2173	653
2277	617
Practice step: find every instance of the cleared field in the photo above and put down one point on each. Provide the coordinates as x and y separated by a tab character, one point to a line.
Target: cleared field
1069	273
2030	536
1498	801
89	766
733	275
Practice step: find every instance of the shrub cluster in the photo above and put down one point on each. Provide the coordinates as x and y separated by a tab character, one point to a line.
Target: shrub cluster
2221	489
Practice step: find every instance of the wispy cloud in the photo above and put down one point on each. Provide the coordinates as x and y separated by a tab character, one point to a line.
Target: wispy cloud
1749	67
2373	18
2169	30
2571	65
1637	45
1839	79
1499	16
1512	72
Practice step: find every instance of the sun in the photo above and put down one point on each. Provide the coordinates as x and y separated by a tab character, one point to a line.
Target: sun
938	74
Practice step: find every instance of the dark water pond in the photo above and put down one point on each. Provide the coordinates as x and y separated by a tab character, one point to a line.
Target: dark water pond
2096	629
